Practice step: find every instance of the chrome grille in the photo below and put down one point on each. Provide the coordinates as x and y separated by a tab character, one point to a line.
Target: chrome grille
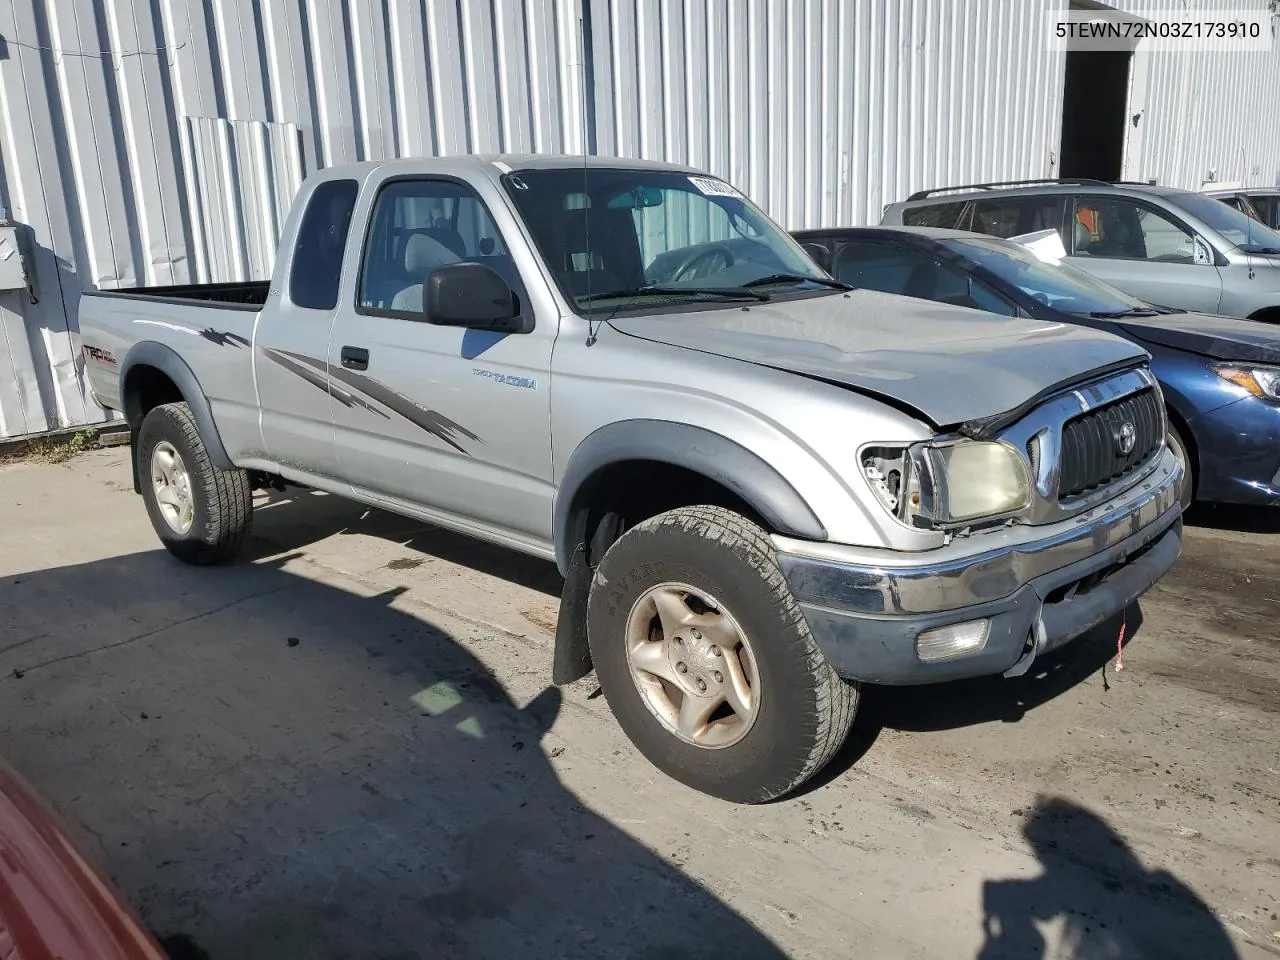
1093	455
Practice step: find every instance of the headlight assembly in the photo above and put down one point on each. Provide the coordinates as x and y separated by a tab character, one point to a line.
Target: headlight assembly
979	479
1260	381
949	483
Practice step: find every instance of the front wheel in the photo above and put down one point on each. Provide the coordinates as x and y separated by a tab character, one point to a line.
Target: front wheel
707	661
201	514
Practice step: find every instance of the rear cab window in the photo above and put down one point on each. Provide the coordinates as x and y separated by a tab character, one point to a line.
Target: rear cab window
316	269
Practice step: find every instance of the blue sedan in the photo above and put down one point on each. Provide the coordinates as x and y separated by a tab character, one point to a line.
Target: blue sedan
1220	376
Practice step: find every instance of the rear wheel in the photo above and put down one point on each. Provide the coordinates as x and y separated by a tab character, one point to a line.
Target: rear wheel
707	661
201	514
1179	448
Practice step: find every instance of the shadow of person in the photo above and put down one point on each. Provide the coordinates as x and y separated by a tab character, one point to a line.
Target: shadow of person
283	768
1094	899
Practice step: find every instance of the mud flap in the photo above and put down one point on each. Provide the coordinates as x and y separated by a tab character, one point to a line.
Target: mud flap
1040	640
572	659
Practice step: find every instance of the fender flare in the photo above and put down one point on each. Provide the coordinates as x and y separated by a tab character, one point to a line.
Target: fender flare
167	361
713	456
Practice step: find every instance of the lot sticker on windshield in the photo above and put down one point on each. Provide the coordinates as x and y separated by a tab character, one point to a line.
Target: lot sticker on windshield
714	188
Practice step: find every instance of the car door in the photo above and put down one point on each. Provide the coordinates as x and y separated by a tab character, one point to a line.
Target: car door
913	271
292	339
447	422
1144	251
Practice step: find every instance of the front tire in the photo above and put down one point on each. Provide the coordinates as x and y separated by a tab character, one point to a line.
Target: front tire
201	514
707	661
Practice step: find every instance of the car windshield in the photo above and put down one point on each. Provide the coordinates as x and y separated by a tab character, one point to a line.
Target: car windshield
1060	286
1246	233
621	239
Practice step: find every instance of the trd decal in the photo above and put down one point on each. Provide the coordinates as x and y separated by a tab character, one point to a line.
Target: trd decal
436	424
97	353
222	338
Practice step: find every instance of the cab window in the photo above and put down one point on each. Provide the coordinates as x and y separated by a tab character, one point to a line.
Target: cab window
418	226
322	236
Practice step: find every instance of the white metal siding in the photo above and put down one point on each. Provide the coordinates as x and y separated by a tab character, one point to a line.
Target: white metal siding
161	141
823	111
1210	112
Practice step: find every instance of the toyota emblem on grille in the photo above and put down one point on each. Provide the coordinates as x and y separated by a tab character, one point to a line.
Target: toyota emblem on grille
1126	438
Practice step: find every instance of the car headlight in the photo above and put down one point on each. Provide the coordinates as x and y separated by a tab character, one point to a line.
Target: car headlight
948	483
979	479
1260	381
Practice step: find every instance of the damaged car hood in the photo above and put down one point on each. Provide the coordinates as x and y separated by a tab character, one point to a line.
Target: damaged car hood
951	364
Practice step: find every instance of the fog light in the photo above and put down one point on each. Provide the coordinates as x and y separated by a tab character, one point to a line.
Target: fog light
957	640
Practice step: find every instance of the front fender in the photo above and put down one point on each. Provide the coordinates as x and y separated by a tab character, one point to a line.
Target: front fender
713	456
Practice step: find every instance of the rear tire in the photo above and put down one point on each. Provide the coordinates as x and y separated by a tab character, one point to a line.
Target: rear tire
690	605
201	514
1179	447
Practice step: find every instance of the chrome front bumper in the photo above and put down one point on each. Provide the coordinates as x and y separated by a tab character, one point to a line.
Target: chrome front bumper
1038	586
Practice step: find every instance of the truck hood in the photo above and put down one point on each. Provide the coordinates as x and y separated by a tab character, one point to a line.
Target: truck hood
1221	338
950	364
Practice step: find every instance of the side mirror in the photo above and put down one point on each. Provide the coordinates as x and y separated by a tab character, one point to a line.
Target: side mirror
818	253
471	295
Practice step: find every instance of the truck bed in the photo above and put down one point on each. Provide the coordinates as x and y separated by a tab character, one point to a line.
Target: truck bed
208	325
248	295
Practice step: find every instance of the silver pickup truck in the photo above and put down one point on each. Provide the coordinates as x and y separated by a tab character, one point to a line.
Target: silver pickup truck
761	487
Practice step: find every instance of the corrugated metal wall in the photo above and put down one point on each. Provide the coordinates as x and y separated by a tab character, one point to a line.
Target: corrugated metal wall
161	141
825	110
1203	113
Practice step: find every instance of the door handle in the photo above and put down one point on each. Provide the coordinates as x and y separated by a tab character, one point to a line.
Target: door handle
355	358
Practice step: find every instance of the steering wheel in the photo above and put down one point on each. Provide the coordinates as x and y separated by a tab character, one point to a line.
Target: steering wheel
704	263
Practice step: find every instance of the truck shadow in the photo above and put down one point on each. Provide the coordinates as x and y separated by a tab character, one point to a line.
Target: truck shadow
299	518
274	767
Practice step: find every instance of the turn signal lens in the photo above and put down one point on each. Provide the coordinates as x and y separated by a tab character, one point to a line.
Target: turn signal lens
957	640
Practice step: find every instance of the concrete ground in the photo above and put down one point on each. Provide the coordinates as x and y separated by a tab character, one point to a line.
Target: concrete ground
346	747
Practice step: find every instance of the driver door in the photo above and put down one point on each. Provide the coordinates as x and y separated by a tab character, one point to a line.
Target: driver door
1144	251
446	422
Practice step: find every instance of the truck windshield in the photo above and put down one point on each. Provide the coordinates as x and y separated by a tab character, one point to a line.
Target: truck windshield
1245	232
1060	286
622	239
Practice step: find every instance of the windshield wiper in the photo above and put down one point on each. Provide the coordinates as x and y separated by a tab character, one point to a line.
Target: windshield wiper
1263	250
732	293
798	278
1129	312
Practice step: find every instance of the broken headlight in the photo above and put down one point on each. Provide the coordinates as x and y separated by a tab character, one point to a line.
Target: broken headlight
948	483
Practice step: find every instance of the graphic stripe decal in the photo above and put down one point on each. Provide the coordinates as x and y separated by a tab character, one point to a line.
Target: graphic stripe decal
436	424
286	360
